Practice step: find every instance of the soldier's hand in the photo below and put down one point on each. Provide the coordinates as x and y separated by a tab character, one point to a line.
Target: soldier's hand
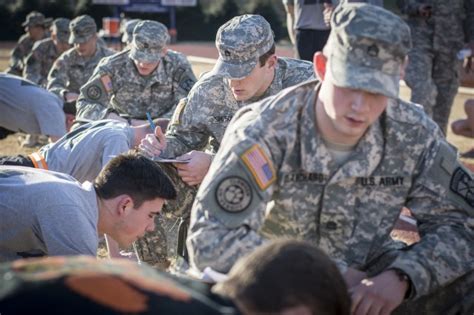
193	172
353	277
425	10
378	295
153	144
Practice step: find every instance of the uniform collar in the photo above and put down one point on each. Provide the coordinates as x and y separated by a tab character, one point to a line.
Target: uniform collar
316	158
97	56
158	76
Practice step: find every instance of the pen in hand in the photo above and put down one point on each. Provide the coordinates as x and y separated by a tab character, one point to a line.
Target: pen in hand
150	121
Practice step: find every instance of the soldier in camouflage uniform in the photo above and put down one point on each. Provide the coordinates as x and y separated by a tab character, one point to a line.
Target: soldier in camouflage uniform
36	29
46	51
147	78
200	120
74	67
333	164
439	30
127	32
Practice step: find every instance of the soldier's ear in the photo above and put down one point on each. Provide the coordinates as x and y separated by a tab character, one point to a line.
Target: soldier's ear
319	62
272	61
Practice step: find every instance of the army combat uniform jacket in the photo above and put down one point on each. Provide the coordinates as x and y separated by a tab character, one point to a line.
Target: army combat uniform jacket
204	116
447	29
274	176
39	61
116	83
19	54
70	71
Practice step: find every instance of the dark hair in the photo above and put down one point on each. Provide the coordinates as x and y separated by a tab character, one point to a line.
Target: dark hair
135	175
284	274
263	58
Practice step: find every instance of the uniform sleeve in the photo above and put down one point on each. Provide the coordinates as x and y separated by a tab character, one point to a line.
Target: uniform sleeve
442	201
58	77
16	57
189	126
32	69
183	81
95	95
229	209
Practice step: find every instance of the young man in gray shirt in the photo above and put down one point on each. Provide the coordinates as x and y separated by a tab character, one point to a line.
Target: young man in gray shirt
47	213
82	153
27	107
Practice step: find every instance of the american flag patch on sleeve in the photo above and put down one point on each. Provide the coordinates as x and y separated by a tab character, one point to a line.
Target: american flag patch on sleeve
259	165
106	82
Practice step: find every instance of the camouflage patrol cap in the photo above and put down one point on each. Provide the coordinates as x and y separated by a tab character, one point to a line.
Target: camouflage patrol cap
366	48
35	18
82	29
149	40
128	30
240	42
61	28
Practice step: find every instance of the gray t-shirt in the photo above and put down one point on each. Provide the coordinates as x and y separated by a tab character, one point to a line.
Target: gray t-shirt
45	213
309	13
83	152
27	107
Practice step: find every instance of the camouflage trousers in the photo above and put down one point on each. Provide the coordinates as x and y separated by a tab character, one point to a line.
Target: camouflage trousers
158	247
456	298
433	78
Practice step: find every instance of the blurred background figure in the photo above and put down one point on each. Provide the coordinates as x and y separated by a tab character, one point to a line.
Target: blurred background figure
440	29
307	28
36	26
46	51
127	32
75	66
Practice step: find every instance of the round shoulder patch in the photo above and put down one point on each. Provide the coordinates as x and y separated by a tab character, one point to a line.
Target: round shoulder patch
94	92
234	194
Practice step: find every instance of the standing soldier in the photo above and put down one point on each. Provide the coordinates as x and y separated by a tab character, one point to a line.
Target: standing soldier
46	51
74	67
36	29
439	30
247	70
333	163
147	78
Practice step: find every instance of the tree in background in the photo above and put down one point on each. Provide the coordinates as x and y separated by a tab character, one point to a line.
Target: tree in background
194	23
